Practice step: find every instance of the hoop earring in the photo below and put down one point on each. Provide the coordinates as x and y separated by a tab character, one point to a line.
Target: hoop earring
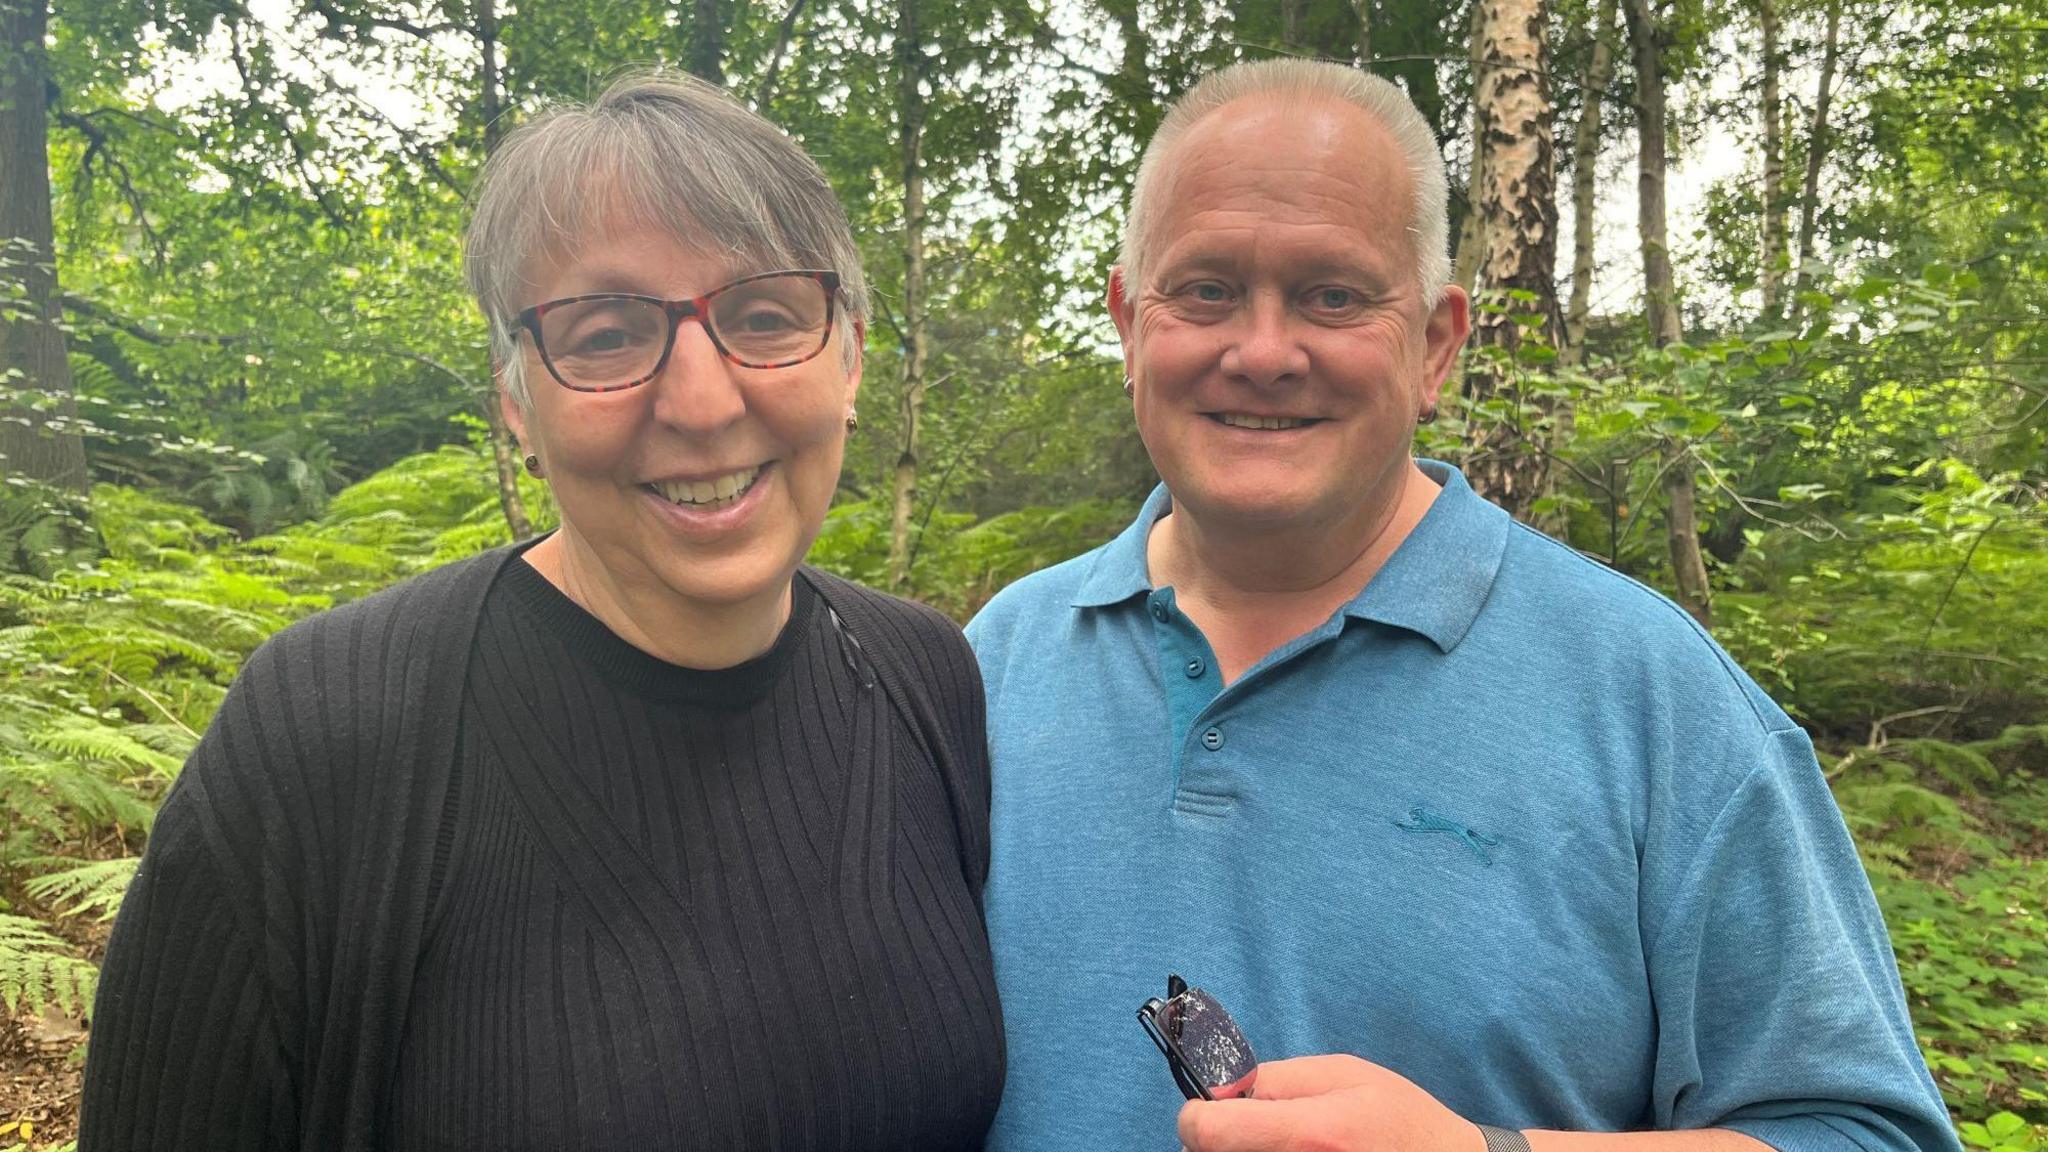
1130	389
852	420
532	463
1428	415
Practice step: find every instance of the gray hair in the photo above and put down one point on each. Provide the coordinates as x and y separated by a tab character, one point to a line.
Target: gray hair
1381	99
667	150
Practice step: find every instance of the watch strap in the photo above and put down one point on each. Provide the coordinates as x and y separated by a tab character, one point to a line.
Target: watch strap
1503	1139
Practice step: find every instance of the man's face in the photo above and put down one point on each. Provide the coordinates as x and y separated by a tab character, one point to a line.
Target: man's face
1276	337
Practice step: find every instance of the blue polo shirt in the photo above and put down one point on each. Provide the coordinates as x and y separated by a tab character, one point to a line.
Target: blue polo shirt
1507	823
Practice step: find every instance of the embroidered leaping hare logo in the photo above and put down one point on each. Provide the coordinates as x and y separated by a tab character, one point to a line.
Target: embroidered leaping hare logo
1423	820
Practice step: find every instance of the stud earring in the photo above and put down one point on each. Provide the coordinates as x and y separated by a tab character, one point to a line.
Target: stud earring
852	420
532	463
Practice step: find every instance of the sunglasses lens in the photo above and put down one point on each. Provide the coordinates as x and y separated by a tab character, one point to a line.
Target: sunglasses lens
1215	1051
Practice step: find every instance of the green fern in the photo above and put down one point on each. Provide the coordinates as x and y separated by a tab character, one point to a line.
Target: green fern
95	887
38	971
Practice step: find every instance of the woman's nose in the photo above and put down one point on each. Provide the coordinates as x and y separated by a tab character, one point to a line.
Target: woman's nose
698	389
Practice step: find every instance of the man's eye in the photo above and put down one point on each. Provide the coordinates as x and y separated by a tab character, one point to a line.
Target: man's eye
1334	299
1209	292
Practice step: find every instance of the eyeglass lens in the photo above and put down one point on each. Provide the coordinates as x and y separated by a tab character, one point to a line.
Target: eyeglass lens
1215	1051
612	341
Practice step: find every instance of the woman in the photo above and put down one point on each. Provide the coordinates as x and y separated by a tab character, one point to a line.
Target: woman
642	836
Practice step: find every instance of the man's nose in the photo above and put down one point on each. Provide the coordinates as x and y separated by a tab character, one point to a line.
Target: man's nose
1266	348
698	389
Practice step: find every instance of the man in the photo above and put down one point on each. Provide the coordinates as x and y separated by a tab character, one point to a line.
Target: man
1498	832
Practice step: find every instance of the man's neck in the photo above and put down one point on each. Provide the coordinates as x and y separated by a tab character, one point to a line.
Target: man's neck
656	620
1251	592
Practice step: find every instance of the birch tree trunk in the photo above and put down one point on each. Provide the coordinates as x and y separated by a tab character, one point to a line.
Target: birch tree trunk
1681	520
1585	175
911	112
1771	239
490	105
1516	202
1817	147
1364	43
31	340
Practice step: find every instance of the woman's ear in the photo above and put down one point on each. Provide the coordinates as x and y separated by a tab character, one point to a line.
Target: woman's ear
860	343
511	409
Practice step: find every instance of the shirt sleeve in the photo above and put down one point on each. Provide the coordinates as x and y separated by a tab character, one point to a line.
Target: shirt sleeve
1778	1002
185	1050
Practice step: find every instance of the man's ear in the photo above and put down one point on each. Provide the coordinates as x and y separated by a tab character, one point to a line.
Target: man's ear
1449	323
1123	312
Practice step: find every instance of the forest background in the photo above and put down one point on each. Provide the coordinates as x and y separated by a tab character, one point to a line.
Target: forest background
242	381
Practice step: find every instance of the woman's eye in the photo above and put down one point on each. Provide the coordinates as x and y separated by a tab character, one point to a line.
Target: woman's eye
766	320
602	341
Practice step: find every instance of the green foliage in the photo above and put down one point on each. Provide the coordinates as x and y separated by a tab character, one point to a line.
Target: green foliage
94	887
1953	835
36	971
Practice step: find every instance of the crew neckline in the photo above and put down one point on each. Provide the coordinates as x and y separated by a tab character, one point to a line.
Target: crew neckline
539	604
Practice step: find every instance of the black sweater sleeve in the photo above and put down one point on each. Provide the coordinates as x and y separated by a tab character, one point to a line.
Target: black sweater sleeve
185	1051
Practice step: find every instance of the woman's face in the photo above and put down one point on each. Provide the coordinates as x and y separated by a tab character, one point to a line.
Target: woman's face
709	481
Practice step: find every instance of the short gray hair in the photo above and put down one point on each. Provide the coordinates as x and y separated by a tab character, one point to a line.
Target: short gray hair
668	150
1378	98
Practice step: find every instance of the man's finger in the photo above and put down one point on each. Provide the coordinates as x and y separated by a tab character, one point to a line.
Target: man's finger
1251	1125
1311	1076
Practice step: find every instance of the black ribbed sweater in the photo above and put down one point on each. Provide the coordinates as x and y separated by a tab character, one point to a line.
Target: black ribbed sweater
458	868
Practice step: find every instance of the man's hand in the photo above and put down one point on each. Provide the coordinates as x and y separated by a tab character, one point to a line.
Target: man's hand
1328	1104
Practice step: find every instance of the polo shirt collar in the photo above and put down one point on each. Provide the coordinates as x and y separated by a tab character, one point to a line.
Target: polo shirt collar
1434	584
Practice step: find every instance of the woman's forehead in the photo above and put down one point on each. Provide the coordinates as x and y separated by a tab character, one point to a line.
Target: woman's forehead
636	247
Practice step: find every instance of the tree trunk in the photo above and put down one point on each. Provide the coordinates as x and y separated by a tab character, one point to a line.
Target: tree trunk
1364	10
1585	176
1517	207
1290	26
39	438
1771	241
1470	253
503	453
706	56
910	66
1660	302
1681	526
1817	147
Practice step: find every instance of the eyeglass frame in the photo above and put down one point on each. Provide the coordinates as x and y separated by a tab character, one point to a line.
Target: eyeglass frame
691	307
1190	1085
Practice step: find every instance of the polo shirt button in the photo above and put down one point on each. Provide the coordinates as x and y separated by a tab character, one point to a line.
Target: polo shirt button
1159	610
1212	739
1195	668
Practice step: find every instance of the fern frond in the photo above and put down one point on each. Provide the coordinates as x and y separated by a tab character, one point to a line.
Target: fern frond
93	742
37	970
95	887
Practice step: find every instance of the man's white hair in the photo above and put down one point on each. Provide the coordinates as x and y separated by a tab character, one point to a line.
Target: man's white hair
1296	80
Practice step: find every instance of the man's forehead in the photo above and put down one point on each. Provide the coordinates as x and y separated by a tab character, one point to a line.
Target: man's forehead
1276	131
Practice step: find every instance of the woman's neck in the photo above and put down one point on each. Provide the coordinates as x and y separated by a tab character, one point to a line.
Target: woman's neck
645	613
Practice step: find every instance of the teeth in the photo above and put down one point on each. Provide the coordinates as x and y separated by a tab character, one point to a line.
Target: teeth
1269	423
723	490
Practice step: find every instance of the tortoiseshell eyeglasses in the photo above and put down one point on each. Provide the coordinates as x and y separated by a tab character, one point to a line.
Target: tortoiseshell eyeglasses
611	341
1210	1059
